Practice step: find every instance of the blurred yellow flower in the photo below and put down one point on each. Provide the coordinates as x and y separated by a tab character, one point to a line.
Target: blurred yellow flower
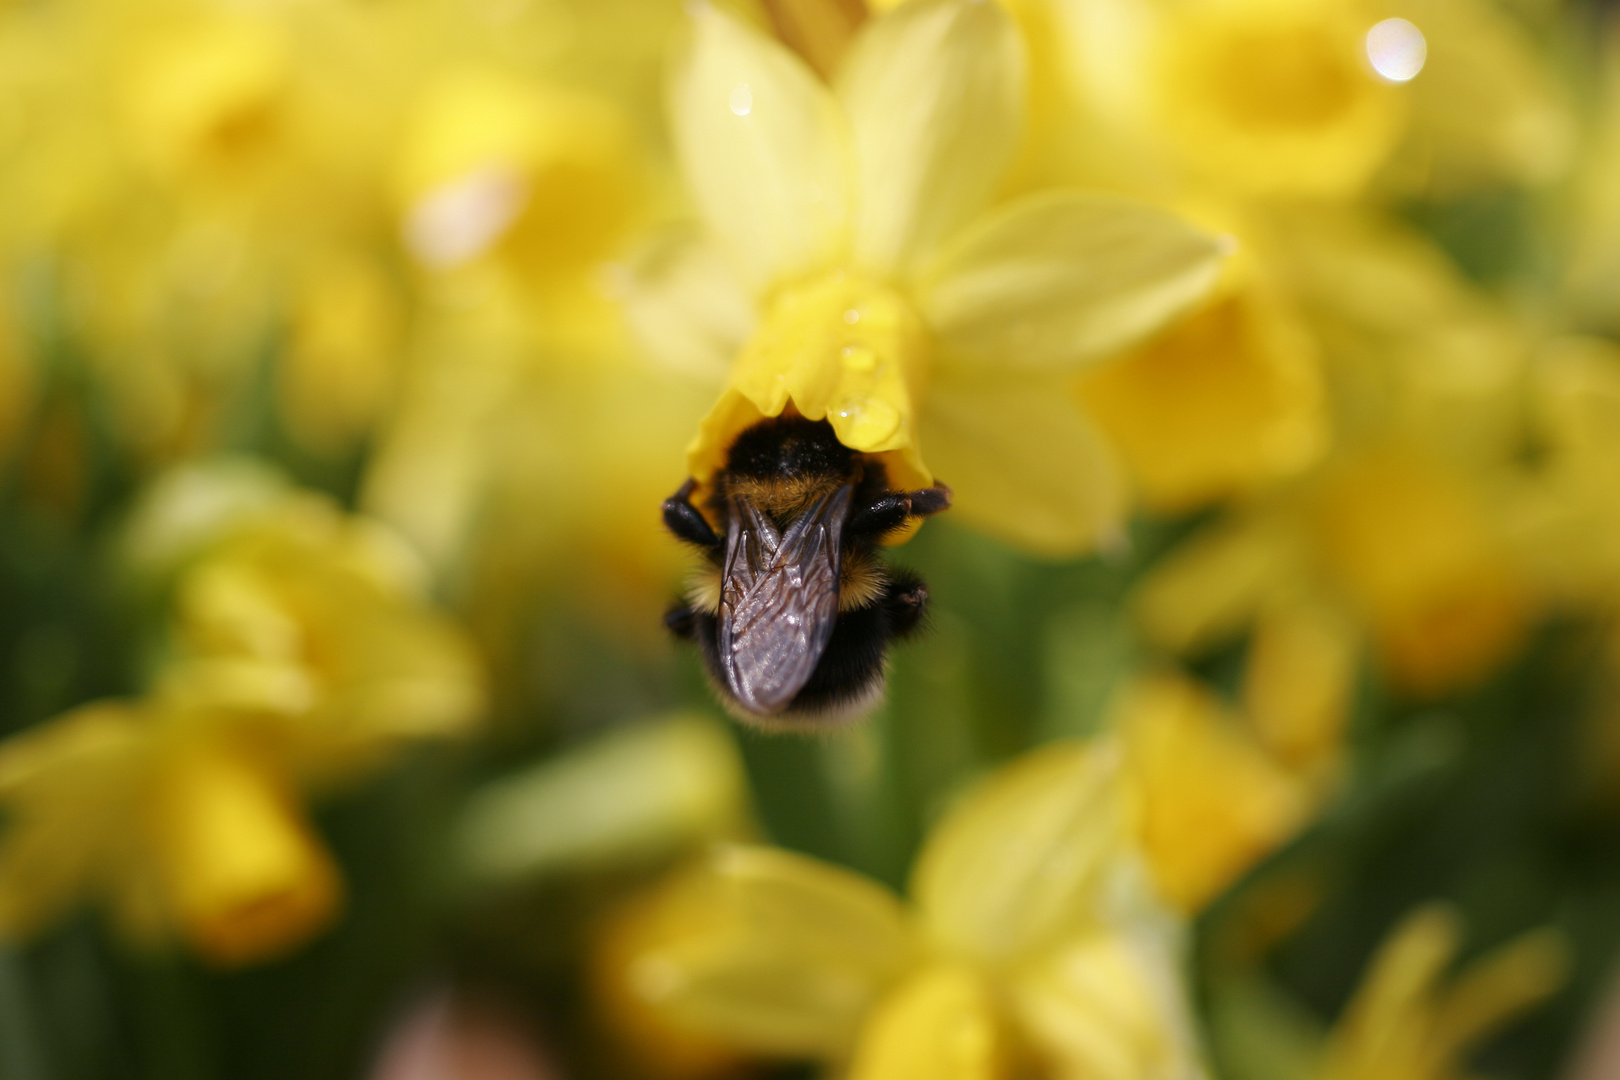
1273	97
1410	550
1567	522
1390	542
301	653
1227	400
1301	668
635	1028
1489	106
1414	352
1211	801
214	164
543	176
1594	259
855	270
339	374
244	874
1407	1021
1571	529
510	192
637	796
1398	542
819	30
155	810
317	622
1030	938
1272	100
1416	1015
53	140
643	792
201	100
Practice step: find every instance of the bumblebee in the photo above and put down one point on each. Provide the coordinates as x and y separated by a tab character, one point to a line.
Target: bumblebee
795	608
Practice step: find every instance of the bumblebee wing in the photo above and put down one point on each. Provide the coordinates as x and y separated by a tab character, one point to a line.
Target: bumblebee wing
779	599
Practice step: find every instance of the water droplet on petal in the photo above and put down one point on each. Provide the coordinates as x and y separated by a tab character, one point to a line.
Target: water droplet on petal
867	421
742	99
1397	50
852	316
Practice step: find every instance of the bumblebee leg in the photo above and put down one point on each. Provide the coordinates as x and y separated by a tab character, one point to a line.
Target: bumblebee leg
930	501
906	602
891	511
685	521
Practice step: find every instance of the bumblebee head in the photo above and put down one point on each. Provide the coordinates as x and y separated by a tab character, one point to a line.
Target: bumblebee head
790	448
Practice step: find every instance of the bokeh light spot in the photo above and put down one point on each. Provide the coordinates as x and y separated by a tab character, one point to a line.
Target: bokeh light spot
1397	50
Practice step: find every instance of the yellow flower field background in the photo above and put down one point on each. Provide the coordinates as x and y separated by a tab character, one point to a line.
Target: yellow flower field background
1266	720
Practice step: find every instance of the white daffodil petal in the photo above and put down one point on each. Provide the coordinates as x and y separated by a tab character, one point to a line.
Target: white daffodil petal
763	147
685	304
1057	279
1023	462
934	92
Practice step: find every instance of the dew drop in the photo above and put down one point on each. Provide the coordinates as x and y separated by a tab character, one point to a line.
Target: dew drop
852	316
867	421
742	99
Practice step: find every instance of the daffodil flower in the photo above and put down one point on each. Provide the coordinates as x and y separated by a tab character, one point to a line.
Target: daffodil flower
1029	937
1396	545
1410	1021
1565	517
1316	99
1275	97
314	622
856	266
1212	799
1417	1013
1569	520
1390	547
511	192
302	653
1227	400
157	811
